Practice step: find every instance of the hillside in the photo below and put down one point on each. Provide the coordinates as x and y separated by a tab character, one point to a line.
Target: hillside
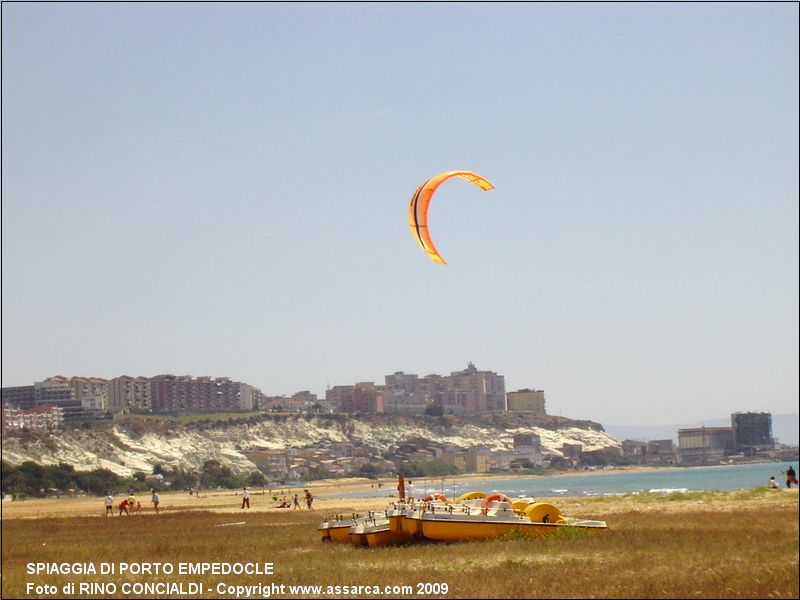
139	443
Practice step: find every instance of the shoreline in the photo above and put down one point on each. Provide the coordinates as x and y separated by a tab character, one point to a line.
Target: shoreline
329	495
362	483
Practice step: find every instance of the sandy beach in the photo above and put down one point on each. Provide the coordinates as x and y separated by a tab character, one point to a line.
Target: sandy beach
331	495
325	492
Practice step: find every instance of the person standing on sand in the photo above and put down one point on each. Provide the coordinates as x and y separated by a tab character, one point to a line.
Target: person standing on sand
245	498
154	499
309	499
109	502
296	502
791	477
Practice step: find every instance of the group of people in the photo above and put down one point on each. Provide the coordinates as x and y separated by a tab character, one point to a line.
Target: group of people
309	500
284	503
129	505
405	489
791	478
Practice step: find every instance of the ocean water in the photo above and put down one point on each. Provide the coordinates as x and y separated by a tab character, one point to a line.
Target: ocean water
603	482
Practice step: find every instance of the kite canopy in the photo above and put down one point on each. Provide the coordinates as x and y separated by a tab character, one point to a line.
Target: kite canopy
418	209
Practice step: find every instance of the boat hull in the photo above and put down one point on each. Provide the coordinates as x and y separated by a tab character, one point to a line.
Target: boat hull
386	537
357	538
411	524
339	534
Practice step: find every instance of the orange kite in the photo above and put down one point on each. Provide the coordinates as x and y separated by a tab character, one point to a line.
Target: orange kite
418	210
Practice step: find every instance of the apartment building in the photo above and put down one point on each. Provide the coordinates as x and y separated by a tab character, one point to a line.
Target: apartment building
527	401
465	391
362	397
129	393
472	390
91	392
23	396
403	393
35	418
178	394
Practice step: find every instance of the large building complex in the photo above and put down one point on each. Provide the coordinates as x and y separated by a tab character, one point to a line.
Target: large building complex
73	402
748	434
705	444
461	392
752	432
468	391
84	399
473	391
180	394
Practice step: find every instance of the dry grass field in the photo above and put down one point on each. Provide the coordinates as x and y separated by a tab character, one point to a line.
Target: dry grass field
697	545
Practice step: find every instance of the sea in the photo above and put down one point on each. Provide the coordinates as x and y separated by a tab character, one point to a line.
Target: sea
602	482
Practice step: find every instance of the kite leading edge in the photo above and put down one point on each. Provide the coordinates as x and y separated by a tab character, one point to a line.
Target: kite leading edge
418	209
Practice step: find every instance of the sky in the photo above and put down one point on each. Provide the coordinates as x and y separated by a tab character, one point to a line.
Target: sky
222	190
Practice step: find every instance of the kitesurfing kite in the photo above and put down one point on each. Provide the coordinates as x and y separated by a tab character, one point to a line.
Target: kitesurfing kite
418	210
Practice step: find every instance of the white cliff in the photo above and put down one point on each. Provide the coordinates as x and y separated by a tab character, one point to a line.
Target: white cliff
132	446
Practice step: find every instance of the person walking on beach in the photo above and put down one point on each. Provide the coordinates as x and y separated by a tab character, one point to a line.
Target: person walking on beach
154	499
791	477
296	502
109	502
245	498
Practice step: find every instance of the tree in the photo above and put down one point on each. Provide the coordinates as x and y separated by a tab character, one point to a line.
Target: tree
181	480
217	475
434	410
256	478
100	481
319	472
369	470
435	468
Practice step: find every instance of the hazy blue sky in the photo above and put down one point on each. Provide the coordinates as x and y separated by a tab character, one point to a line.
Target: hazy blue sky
222	189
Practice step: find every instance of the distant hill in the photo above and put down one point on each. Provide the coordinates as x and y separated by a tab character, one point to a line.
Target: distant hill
135	443
784	427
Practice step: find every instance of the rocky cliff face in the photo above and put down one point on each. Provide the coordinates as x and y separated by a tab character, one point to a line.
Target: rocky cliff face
139	444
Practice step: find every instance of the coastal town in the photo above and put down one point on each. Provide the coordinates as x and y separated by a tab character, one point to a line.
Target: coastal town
464	422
